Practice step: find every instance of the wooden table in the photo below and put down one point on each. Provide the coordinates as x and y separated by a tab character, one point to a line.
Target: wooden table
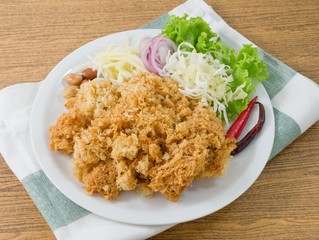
282	204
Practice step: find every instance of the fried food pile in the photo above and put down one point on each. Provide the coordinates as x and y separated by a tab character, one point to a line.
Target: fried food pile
141	135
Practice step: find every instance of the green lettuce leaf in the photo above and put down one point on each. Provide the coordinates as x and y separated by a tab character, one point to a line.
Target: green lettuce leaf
180	29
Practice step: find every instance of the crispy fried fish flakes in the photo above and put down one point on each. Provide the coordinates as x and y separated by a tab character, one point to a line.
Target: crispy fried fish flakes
141	135
102	180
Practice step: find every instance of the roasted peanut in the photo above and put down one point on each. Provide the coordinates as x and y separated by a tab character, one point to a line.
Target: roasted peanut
73	79
89	73
70	92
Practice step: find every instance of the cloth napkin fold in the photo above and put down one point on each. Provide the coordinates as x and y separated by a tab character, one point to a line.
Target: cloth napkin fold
293	115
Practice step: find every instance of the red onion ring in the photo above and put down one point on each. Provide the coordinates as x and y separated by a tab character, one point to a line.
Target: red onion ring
153	52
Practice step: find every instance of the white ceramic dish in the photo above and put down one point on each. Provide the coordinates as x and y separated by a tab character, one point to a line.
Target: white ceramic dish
203	198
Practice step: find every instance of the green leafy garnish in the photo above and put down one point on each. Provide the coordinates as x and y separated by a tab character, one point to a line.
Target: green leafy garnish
245	66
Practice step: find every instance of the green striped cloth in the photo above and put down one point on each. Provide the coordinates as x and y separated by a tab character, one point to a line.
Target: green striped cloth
67	220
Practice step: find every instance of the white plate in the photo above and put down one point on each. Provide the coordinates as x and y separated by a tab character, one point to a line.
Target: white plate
203	198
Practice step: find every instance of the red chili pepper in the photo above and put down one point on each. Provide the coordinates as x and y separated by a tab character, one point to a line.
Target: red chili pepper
252	133
238	126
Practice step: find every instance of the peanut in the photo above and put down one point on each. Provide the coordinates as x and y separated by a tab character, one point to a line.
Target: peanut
73	79
70	92
89	73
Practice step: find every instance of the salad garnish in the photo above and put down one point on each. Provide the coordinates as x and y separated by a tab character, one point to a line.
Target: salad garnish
118	63
201	76
154	52
245	67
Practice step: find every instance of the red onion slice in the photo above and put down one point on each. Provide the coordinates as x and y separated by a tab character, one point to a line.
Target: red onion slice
153	52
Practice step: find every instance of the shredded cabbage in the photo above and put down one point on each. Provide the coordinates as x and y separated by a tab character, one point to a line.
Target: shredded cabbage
118	63
201	76
245	66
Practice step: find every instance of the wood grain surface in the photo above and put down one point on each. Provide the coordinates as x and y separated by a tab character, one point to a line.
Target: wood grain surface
282	204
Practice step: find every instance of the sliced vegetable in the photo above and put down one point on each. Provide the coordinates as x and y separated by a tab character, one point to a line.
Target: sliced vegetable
253	132
154	52
238	126
201	76
118	63
245	66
